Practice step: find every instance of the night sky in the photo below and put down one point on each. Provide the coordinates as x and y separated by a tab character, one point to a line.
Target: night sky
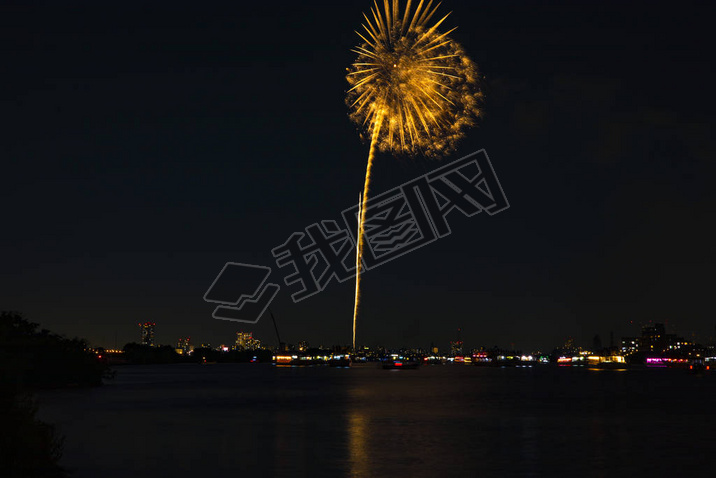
145	145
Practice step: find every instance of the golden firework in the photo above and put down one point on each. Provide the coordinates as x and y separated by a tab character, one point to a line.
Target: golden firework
411	86
413	91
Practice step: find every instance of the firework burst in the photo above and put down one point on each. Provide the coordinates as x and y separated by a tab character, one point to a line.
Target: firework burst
410	84
412	91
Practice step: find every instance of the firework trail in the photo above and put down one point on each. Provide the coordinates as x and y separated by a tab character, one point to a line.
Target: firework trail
358	264
413	91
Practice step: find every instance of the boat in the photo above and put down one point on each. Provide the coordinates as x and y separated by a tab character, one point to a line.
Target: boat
666	362
482	359
340	360
296	359
396	362
699	366
607	362
433	360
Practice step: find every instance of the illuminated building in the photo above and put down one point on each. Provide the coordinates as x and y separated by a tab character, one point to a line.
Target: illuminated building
456	346
302	346
630	345
147	329
678	343
246	341
653	338
243	339
184	346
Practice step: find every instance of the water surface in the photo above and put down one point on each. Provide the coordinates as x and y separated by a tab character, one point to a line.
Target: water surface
452	420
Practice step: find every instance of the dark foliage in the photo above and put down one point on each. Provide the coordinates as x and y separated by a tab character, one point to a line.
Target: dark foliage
144	354
28	447
31	359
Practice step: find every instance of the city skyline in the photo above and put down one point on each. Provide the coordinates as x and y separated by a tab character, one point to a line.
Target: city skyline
649	334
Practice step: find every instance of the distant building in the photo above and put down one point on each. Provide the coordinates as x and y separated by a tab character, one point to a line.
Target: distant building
456	347
630	345
653	338
655	341
147	329
302	346
246	341
679	343
184	345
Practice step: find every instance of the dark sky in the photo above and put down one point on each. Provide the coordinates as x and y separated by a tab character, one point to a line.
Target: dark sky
145	144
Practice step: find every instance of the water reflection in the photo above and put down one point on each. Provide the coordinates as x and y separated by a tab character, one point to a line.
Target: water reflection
358	443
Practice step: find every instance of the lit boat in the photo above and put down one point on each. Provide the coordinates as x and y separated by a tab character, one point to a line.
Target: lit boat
433	360
296	359
664	362
395	361
340	360
481	358
284	359
700	365
611	362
